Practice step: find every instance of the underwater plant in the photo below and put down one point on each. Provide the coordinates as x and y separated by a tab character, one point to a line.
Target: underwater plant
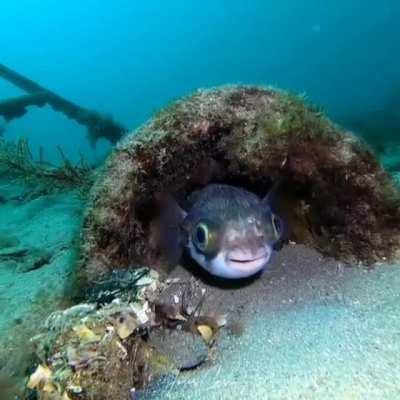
16	159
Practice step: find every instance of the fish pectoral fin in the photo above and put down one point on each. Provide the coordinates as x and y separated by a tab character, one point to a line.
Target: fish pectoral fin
171	212
172	243
171	233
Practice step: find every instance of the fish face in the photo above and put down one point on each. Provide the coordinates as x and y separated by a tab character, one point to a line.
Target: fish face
228	231
246	247
236	243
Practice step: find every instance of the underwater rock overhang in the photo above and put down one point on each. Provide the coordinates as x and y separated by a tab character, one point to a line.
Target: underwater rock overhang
335	197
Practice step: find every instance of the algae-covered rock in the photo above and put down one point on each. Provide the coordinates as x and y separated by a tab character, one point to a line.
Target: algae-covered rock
335	197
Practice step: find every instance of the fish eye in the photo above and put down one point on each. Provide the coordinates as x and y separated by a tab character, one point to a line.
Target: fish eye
201	235
205	237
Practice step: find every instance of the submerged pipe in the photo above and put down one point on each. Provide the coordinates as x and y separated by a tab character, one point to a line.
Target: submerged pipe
98	125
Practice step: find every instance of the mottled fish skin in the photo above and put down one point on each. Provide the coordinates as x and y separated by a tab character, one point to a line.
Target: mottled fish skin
238	228
222	202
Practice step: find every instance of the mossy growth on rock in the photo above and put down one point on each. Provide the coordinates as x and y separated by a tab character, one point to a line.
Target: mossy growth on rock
335	197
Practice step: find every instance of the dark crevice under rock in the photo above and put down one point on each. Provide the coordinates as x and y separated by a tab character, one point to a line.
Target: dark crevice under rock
335	195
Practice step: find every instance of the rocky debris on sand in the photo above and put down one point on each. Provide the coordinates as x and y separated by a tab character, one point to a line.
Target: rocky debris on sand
108	350
120	284
99	351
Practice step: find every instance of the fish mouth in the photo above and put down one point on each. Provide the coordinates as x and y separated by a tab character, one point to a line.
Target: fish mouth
249	264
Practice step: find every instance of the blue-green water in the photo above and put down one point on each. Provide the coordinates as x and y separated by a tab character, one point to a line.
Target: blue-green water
129	59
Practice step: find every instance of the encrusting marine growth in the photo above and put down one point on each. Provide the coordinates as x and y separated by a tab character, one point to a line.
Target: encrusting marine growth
335	197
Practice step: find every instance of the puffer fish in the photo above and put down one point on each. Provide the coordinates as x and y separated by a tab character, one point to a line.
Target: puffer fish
228	231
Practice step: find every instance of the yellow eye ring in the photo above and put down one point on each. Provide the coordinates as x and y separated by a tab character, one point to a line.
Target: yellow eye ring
201	236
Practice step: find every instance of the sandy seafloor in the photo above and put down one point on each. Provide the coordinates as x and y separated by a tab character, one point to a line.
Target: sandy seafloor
311	328
35	231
